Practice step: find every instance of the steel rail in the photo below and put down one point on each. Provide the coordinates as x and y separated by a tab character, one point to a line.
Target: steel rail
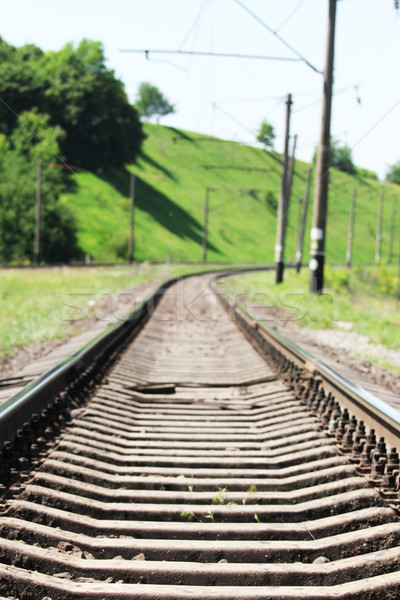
363	404
41	393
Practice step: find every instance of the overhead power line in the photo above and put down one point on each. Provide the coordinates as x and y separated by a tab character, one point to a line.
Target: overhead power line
300	57
290	15
218	54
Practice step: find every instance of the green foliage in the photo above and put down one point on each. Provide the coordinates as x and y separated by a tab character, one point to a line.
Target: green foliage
83	97
367	174
151	102
271	201
266	134
33	140
340	158
22	82
91	105
187	515
393	174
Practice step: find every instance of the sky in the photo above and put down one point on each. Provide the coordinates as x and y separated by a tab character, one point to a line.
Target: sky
229	97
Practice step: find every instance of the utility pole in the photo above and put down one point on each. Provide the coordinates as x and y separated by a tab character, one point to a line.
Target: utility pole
301	222
318	229
391	239
350	235
291	171
378	250
131	248
205	225
36	245
283	202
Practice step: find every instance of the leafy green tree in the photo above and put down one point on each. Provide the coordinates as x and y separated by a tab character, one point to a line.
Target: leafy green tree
150	101
266	134
393	174
91	105
340	157
33	140
22	82
75	88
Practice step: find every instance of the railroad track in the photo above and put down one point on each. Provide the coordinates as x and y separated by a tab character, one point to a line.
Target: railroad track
195	464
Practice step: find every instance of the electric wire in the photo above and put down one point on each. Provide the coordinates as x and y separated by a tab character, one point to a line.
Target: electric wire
233	119
194	24
214	54
300	56
290	15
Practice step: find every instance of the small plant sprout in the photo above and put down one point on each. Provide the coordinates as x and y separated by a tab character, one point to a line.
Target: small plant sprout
188	515
257	518
219	497
252	490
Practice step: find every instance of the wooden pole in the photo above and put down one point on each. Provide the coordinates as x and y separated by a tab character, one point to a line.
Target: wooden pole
301	227
318	230
36	244
131	248
283	203
350	235
378	250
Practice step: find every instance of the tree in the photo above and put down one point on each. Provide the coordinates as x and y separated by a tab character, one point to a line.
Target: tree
92	107
33	140
340	157
74	87
266	134
393	174
22	82
150	101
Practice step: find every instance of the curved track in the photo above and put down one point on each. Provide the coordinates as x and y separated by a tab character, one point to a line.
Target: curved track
195	470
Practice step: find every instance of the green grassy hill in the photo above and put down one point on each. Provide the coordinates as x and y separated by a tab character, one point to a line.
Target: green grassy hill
172	175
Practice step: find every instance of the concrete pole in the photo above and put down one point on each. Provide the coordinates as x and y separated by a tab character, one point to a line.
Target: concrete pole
291	172
318	230
302	219
283	202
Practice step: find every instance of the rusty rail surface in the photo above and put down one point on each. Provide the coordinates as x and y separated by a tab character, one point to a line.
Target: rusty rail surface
199	463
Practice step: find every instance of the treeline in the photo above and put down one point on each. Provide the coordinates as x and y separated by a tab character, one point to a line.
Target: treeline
56	107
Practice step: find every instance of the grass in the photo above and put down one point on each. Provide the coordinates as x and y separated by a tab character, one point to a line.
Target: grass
363	297
35	304
172	175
